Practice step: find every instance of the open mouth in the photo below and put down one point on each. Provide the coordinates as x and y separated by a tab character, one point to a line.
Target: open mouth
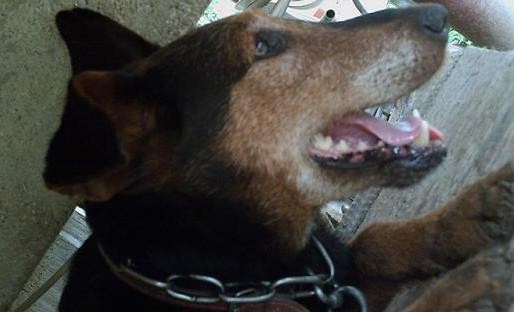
362	140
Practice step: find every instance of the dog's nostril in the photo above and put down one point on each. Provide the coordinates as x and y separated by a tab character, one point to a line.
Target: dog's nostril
436	25
434	19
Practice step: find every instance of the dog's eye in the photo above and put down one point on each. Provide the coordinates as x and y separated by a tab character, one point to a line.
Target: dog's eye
261	49
269	43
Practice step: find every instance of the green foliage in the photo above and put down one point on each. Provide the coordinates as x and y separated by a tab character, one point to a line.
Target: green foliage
457	38
210	14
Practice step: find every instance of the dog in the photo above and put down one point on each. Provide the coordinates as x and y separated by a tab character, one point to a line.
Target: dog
202	164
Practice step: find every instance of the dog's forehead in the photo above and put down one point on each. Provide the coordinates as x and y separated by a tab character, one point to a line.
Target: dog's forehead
253	21
257	20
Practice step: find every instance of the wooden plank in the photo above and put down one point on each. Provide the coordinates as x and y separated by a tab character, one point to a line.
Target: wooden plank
71	237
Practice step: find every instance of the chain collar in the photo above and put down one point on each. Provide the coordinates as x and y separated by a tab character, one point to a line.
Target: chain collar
231	295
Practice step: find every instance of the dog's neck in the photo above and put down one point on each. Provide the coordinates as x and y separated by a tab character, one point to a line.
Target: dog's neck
180	235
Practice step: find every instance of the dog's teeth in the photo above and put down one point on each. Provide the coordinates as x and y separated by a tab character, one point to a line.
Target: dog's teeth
415	113
424	136
322	143
362	146
342	147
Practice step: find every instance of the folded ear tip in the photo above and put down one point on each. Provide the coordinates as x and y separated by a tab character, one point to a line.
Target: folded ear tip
63	19
75	14
95	41
66	18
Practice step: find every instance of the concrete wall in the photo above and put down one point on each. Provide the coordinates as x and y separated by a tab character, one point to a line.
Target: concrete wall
34	67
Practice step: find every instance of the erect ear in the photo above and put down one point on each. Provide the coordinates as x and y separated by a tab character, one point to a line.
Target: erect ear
93	152
87	157
109	93
97	42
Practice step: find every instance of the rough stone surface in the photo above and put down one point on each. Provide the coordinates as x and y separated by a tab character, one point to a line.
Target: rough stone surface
34	68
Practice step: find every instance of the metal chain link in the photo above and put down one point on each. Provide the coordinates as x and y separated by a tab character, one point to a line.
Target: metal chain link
310	285
238	293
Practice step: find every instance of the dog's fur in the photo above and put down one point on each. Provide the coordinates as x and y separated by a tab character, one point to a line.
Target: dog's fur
192	157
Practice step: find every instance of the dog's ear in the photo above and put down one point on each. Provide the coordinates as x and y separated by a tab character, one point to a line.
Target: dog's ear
112	94
93	153
86	157
96	42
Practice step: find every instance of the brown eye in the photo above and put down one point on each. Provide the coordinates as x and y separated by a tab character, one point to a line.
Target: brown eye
261	49
269	43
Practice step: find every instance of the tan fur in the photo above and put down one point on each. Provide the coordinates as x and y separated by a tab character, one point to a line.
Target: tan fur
270	122
460	290
273	111
281	103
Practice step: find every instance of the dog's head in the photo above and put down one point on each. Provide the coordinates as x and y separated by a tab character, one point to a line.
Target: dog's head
255	109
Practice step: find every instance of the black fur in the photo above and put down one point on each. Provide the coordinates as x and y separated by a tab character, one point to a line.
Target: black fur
85	143
161	234
91	47
180	235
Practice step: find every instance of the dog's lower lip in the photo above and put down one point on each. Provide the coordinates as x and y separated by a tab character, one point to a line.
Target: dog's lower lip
409	156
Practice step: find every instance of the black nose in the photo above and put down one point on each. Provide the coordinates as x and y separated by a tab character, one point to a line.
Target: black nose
433	19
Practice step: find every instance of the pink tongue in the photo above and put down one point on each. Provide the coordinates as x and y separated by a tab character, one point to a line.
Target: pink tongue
365	128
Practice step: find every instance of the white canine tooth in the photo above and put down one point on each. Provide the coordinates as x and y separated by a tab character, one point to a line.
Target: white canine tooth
415	113
342	147
424	136
361	146
323	143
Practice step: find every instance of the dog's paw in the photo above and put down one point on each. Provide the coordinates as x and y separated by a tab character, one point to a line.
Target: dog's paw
483	283
497	213
490	202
